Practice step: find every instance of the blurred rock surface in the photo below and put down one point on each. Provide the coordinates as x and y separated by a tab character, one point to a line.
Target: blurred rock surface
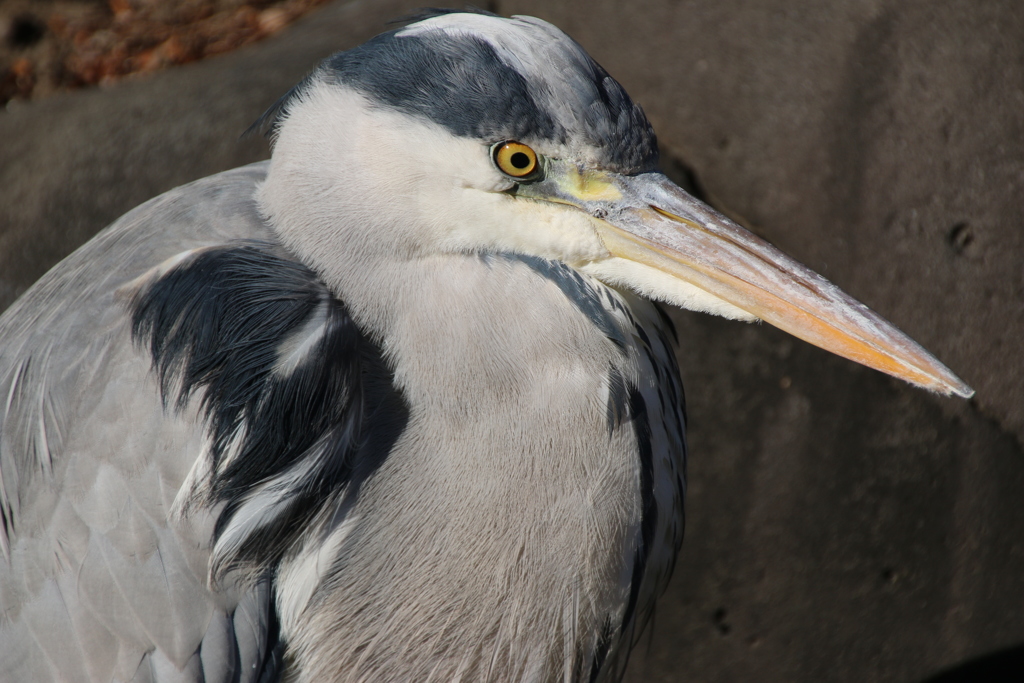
52	45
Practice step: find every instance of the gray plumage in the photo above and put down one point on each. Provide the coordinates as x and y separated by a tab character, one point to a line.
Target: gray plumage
99	583
381	408
94	458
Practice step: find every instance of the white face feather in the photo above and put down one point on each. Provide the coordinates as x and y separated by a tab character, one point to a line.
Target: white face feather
348	176
352	183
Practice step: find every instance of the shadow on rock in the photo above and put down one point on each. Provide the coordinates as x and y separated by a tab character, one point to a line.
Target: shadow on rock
1002	666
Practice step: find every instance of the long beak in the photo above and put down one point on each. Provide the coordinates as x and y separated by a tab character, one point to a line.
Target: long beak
648	220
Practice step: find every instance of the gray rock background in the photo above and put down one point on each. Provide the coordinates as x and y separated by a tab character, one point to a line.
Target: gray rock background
842	526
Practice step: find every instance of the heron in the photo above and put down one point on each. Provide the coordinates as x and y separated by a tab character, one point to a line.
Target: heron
400	403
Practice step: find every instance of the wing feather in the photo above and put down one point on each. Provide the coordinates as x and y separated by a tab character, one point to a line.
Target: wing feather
100	579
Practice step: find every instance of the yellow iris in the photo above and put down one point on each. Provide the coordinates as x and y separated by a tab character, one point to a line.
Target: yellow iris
515	159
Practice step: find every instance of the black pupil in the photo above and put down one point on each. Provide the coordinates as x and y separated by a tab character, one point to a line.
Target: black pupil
520	160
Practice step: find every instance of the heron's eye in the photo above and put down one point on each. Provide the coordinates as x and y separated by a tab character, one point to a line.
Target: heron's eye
515	159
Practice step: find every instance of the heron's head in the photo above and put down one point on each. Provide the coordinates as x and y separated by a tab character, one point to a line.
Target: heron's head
472	133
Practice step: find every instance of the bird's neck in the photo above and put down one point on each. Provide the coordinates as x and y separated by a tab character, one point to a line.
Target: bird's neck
508	442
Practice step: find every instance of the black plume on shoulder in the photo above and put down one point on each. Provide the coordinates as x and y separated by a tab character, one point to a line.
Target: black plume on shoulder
217	323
